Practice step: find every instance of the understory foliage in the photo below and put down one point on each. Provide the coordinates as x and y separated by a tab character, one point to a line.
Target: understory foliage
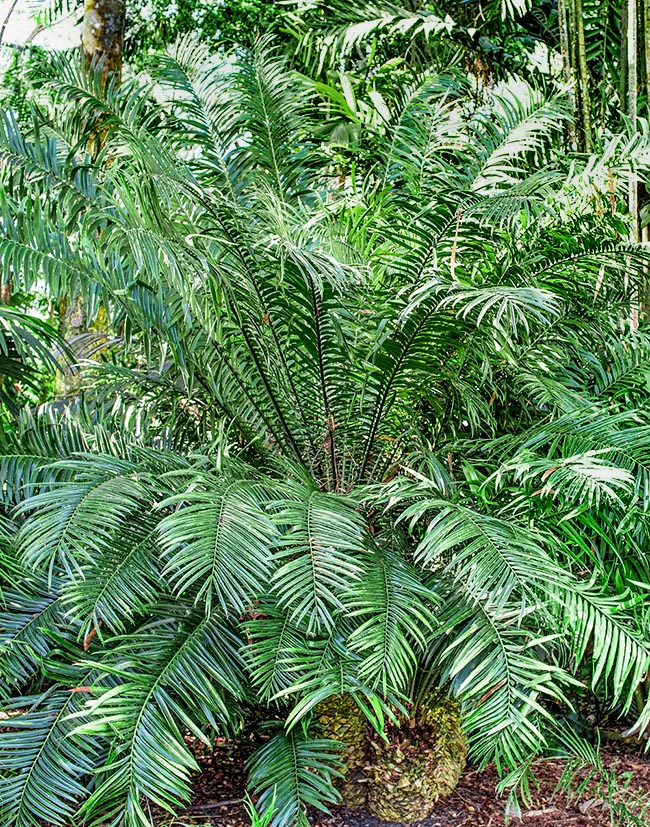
370	431
26	344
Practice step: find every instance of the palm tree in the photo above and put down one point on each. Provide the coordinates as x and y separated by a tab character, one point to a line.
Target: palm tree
371	436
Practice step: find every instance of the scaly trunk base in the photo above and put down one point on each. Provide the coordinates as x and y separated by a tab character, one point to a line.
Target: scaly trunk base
421	763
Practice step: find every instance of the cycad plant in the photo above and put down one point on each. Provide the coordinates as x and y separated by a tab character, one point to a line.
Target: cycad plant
27	346
368	435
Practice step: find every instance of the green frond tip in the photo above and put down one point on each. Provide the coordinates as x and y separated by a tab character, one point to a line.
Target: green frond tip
35	743
294	771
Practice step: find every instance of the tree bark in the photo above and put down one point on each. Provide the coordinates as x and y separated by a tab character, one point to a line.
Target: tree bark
632	105
102	34
564	40
646	44
623	62
583	72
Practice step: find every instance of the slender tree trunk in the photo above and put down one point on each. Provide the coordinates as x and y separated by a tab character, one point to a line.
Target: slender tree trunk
645	234
643	201
564	40
623	67
585	98
632	57
102	43
646	44
102	34
632	106
574	59
572	74
565	50
571	30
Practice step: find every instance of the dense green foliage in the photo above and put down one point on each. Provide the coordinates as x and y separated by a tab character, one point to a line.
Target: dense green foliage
153	25
373	420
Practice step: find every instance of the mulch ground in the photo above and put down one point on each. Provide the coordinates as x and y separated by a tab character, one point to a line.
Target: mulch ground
473	804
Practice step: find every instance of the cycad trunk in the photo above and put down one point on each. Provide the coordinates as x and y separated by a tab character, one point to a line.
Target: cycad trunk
403	778
341	719
421	763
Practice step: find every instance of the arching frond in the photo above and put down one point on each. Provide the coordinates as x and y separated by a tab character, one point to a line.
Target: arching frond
295	772
396	612
217	543
318	559
35	742
27	620
194	681
78	519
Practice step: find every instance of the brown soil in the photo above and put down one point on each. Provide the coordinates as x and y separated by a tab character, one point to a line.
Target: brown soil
473	804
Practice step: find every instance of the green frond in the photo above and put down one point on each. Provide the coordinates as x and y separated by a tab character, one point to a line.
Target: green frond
194	679
45	768
276	651
27	620
506	308
620	438
28	450
295	772
319	557
395	615
501	671
521	121
272	106
580	480
75	520
490	555
27	346
121	583
619	650
217	543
